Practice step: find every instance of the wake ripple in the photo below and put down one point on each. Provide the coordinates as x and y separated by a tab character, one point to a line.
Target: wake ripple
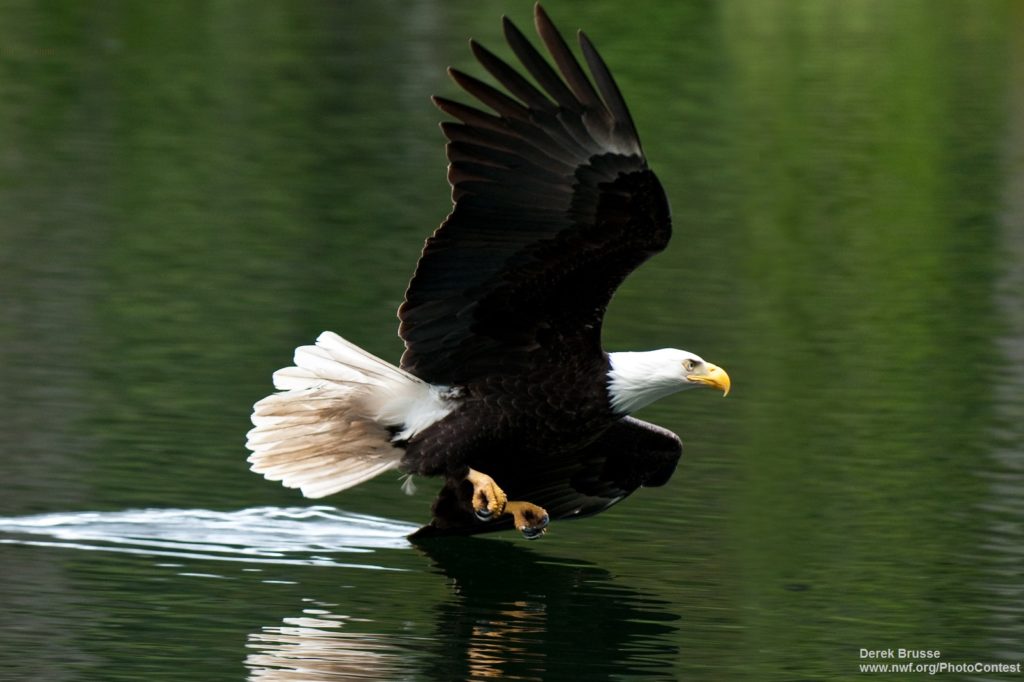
306	536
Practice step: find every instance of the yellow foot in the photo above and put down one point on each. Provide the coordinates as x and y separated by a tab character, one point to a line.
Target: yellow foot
488	499
530	520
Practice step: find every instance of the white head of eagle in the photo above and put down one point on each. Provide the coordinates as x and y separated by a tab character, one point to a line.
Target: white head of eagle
637	379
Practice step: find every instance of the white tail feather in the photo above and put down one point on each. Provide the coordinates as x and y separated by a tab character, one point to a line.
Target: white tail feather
331	426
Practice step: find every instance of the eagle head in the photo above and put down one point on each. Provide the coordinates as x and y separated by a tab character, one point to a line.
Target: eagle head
636	379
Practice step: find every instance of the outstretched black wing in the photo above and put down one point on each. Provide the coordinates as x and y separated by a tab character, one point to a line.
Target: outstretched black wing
554	207
631	454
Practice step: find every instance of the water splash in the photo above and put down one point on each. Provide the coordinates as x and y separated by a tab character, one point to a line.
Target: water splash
308	536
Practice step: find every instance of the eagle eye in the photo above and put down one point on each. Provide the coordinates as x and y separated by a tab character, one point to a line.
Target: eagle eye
689	365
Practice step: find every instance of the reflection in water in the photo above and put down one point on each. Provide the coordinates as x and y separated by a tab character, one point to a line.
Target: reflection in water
521	615
316	646
511	614
289	536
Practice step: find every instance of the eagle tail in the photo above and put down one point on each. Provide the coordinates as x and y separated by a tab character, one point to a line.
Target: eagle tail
336	419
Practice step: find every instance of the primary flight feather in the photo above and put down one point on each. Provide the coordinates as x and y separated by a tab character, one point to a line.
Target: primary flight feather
504	390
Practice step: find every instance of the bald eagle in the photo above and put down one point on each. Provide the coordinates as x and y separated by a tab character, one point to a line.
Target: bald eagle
504	389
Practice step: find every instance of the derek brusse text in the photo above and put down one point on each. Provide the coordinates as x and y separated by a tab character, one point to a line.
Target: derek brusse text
901	653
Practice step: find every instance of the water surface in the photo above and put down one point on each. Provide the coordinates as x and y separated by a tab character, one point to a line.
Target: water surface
187	192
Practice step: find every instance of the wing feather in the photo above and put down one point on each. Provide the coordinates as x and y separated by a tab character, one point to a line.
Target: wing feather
539	67
576	79
553	207
510	78
610	93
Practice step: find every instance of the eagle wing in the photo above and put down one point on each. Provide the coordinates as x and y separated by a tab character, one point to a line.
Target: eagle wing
628	455
554	206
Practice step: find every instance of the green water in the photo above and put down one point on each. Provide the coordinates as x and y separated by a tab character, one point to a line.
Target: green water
190	190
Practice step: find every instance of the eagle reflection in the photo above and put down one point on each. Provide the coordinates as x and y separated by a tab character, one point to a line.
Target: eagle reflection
538	618
316	646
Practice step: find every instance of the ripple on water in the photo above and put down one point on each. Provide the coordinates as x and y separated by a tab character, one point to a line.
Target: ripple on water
308	536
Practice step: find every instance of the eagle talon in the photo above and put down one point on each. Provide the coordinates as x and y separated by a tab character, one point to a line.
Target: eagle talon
488	499
530	520
533	533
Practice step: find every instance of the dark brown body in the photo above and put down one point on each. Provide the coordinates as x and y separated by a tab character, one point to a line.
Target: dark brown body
521	418
551	439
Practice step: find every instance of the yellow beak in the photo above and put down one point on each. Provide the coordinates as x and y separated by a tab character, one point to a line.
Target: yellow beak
713	376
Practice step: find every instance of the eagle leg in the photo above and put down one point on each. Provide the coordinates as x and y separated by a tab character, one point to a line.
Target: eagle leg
530	520
489	501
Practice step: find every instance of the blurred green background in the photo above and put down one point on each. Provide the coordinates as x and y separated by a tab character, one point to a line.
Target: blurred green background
190	190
